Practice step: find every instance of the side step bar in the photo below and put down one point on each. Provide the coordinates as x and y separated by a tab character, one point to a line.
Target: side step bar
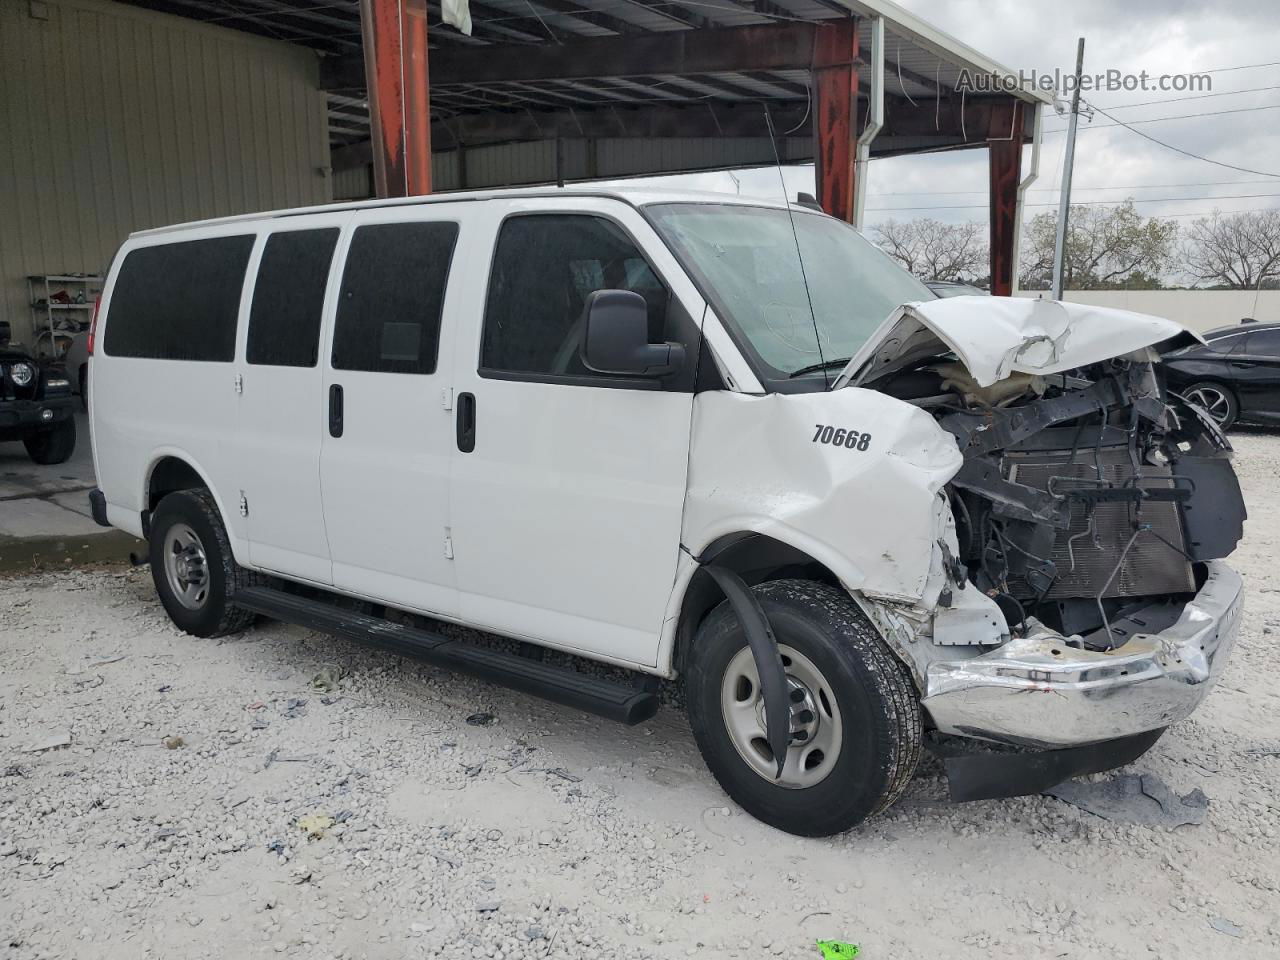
604	698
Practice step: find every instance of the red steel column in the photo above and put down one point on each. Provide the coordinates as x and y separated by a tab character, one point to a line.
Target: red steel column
1005	169
835	93
395	65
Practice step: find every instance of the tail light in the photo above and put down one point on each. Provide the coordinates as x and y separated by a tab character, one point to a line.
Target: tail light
93	323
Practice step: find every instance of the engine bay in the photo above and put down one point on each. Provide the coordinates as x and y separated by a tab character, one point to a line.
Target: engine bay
1088	501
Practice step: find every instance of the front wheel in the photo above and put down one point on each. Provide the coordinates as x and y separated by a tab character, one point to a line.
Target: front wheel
53	446
1218	401
855	713
191	563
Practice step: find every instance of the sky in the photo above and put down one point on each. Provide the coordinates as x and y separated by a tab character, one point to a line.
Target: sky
1112	163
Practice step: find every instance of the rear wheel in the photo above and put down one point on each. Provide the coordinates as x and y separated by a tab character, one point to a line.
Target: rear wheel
1218	401
855	713
53	446
191	563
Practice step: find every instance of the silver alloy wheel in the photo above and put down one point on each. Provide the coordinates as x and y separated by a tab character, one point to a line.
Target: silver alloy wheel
1213	400
816	727
186	567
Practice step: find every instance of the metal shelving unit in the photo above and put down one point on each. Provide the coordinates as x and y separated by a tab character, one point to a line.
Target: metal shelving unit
40	290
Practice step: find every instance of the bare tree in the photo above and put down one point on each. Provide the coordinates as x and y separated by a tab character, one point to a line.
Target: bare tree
934	250
1239	250
1107	248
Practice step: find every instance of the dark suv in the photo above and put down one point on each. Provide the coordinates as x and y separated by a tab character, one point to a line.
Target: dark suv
36	405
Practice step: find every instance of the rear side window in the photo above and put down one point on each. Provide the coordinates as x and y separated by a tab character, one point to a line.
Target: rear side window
544	268
392	296
179	301
284	321
1264	343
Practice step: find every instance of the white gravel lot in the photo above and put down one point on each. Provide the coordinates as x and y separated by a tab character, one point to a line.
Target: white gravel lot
549	833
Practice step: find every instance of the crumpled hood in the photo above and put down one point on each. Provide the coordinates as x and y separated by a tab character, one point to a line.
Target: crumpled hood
997	336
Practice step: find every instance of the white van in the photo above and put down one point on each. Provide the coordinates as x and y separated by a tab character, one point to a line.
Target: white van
687	435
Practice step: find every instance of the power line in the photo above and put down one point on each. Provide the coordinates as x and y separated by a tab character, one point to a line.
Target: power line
1243	66
1097	203
1194	96
1131	186
1163	216
1178	116
1185	153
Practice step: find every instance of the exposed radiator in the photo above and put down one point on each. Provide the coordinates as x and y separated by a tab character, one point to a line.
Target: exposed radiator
1152	564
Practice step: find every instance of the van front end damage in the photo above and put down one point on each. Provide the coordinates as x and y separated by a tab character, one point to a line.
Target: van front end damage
1092	514
1043	550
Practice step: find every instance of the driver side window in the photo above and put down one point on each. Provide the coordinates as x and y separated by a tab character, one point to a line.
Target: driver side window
544	268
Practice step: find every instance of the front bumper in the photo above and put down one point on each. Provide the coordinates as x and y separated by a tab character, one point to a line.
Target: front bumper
1038	692
26	416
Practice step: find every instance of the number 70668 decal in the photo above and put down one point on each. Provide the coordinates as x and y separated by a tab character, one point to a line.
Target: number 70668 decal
840	437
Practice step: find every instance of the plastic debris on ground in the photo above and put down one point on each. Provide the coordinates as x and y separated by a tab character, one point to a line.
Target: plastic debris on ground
51	741
837	950
1226	926
315	824
1135	798
327	679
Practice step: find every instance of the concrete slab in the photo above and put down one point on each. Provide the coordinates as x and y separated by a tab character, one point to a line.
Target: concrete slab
44	511
19	477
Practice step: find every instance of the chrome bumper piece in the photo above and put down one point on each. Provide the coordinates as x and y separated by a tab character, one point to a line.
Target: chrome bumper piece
1036	691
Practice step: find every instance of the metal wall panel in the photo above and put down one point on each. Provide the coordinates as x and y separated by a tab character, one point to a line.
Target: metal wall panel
114	119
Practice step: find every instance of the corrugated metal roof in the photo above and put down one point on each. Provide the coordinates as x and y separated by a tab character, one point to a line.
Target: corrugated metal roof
921	62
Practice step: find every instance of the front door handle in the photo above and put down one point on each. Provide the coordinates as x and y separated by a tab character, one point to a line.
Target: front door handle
335	410
466	422
1243	364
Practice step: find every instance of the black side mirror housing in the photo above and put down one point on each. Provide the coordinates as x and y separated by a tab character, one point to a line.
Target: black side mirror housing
616	337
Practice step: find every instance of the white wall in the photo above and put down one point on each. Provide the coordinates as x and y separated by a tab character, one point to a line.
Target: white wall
1198	309
114	119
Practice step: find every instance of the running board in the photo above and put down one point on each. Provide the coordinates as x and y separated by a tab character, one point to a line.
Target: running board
604	698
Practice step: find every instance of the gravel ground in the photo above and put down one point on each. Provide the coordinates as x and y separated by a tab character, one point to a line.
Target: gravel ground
170	825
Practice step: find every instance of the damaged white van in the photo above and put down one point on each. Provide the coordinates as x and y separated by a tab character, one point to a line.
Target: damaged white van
690	436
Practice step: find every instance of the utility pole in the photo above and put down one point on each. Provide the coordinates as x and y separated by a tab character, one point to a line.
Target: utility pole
1064	204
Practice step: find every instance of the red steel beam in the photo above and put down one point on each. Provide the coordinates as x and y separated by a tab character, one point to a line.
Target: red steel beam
395	59
835	87
1004	147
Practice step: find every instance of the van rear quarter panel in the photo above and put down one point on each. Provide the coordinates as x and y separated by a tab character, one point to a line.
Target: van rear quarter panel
142	410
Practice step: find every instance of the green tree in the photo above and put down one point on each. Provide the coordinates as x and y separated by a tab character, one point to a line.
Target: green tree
1108	248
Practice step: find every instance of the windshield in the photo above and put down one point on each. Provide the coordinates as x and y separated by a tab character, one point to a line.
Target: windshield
745	258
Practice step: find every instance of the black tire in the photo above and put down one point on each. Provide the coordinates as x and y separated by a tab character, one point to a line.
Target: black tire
877	703
1224	413
52	446
215	615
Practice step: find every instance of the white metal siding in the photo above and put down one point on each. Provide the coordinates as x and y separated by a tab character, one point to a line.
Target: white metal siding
114	119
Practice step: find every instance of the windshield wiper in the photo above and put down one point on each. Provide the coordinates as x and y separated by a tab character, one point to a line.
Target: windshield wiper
818	367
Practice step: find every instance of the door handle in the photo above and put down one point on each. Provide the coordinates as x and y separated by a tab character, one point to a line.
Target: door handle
335	409
466	422
1243	364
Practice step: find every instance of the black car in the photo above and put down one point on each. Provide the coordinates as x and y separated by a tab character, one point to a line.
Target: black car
36	405
1234	376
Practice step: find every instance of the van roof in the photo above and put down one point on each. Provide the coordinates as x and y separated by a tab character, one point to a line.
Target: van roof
635	196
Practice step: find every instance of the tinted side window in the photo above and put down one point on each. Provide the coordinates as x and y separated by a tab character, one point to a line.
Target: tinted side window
284	320
1264	343
544	268
392	295
179	301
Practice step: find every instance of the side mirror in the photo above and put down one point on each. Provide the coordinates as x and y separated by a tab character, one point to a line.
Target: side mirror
616	337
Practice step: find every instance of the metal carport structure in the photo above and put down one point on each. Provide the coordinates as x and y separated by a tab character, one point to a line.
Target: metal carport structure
564	90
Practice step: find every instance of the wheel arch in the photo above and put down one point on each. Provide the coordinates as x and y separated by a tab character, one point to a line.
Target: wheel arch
169	471
756	558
